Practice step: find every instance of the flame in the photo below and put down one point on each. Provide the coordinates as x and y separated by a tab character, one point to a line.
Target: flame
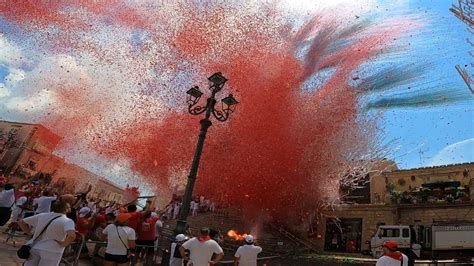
235	235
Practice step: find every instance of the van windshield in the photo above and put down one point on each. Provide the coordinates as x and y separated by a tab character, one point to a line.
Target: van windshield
390	232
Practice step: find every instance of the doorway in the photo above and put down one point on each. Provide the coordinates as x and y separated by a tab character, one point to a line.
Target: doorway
343	235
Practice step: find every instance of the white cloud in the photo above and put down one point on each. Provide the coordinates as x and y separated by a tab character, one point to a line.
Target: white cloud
459	152
14	76
10	54
35	102
3	91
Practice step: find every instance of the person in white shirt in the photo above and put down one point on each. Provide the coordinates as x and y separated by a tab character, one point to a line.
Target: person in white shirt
7	196
176	209
43	203
7	200
158	227
120	241
48	249
391	256
18	210
194	207
246	255
212	207
201	249
175	255
92	205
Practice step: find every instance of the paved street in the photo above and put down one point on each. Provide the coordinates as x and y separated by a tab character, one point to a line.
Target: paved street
8	254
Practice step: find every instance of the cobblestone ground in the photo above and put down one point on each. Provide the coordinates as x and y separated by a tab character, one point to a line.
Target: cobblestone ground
8	255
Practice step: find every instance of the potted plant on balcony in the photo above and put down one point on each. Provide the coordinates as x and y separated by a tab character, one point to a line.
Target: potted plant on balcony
449	198
395	196
462	196
438	193
424	194
431	199
406	199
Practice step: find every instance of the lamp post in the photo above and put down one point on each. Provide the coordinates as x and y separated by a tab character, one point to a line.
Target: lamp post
228	106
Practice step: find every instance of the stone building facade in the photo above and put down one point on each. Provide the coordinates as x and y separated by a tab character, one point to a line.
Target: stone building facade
347	228
28	149
108	191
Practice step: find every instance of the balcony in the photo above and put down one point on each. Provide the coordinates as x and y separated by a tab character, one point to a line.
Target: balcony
439	193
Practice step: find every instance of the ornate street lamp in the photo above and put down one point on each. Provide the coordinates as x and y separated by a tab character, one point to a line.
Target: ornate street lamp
228	107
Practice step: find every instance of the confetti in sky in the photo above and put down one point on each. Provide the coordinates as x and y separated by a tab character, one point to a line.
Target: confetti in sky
110	79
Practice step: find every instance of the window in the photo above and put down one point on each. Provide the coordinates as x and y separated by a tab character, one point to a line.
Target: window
402	182
390	232
406	232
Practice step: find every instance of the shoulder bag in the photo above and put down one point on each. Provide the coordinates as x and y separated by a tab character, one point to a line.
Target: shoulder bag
24	251
129	254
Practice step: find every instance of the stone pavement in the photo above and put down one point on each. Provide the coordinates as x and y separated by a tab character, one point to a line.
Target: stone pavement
8	254
8	250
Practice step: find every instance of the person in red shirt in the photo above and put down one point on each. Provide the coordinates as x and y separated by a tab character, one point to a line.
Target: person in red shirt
135	216
146	235
100	222
85	222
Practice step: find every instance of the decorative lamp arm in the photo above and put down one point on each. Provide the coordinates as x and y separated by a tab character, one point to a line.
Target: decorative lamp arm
220	115
196	109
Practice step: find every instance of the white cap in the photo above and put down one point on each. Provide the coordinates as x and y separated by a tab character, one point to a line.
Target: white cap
84	211
249	239
181	237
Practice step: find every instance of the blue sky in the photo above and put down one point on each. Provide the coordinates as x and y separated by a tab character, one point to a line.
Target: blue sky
448	130
424	135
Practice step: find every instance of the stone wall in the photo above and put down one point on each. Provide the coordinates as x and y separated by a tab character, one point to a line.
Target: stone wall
375	214
371	215
404	180
378	184
425	215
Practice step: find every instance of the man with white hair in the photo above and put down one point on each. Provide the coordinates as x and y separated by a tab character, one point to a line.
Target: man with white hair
246	255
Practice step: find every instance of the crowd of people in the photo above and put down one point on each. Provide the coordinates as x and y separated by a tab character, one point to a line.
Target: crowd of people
204	250
34	207
54	220
200	204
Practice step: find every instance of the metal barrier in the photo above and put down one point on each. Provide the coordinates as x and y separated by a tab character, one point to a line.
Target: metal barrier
143	253
72	252
13	230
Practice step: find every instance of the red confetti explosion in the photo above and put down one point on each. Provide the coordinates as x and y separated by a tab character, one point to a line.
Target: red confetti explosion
282	150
